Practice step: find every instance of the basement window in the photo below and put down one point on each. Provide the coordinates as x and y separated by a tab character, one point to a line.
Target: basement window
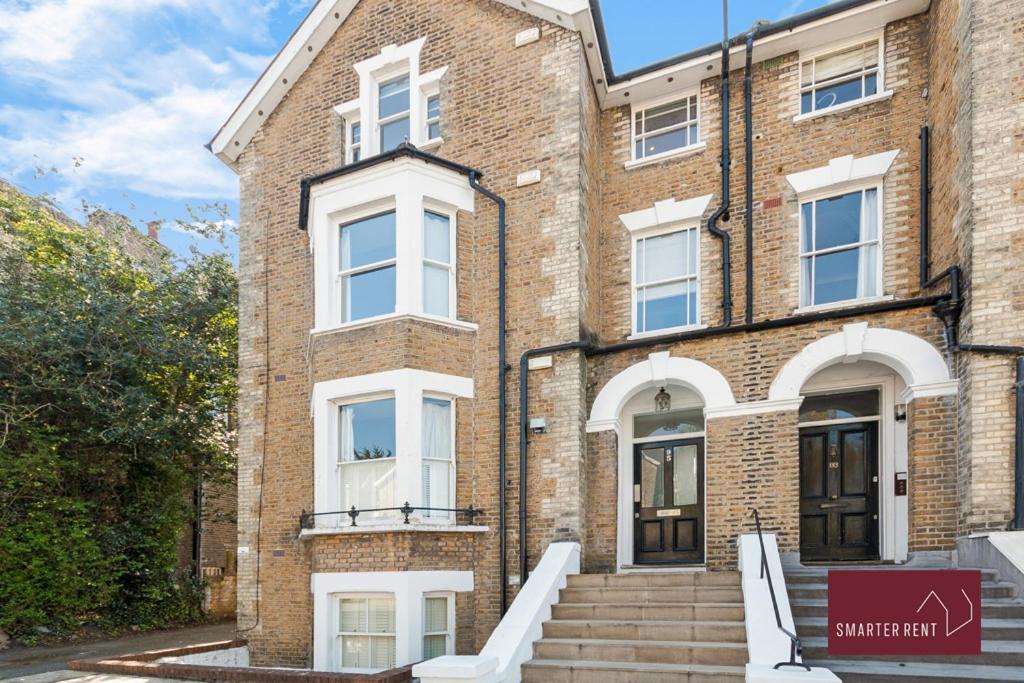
366	632
438	625
662	129
840	77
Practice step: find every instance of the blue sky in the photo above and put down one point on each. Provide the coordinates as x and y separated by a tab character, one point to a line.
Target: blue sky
110	102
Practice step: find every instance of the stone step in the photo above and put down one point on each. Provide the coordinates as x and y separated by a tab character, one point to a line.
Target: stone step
652	595
575	671
991	629
654	580
992	609
858	671
668	611
723	631
993	653
804	591
646	651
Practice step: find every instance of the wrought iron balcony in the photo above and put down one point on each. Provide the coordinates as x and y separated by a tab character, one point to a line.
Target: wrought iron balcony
307	520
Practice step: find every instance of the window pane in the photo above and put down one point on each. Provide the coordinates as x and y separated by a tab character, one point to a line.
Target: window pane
367	294
666	305
665	116
434	130
684	475
436	244
356	133
393	134
807	227
807	72
355	652
435	290
839	406
871	84
353	615
435	646
652	477
436	615
806	100
437	476
381	614
694	134
437	428
664	256
691	251
849	61
835	276
356	154
368	430
837	221
655	144
837	93
367	241
666	424
433	106
394	97
867	275
806	280
382	652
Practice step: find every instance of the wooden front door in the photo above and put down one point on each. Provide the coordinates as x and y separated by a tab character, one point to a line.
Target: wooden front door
668	502
839	492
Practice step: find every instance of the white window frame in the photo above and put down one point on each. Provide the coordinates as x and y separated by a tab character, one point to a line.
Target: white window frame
409	186
380	79
341	635
409	388
635	287
642	109
813	55
352	147
392	62
363	213
452	216
452	465
450	632
431	90
879	262
341	464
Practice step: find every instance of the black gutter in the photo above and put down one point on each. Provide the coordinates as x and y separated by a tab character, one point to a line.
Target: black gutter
503	368
748	141
723	207
403	150
524	441
768	29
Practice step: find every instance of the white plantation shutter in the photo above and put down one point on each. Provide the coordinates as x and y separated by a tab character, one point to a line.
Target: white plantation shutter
367	632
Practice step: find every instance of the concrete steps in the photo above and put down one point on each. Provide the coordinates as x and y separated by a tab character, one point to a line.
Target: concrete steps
643	628
1002	657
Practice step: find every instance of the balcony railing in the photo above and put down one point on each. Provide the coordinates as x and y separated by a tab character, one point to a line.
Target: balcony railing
307	520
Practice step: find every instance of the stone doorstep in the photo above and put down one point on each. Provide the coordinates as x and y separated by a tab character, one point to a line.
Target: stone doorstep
146	664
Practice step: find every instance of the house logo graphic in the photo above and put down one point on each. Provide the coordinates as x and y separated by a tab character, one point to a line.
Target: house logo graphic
904	612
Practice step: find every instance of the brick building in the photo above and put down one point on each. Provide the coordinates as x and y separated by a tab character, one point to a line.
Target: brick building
793	335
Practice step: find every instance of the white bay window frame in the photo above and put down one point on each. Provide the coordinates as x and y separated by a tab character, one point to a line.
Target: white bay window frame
393	61
409	388
409	187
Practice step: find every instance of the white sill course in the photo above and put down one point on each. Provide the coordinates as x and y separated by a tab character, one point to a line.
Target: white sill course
846	106
851	303
665	156
391	317
397	527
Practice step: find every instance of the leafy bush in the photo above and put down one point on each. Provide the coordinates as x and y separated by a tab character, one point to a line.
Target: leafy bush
117	384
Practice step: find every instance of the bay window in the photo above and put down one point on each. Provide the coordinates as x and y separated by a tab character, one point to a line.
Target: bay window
438	448
367	455
366	632
840	248
437	264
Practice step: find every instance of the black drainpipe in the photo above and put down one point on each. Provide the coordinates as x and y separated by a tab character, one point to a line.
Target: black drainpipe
748	140
503	368
949	311
723	208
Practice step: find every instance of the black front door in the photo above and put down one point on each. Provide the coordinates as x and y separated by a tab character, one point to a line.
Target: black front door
839	492
668	502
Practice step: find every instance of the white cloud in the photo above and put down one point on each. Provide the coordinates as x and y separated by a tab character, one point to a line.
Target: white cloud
118	87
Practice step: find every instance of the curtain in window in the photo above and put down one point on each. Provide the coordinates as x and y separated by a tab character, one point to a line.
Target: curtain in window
437	455
849	61
867	271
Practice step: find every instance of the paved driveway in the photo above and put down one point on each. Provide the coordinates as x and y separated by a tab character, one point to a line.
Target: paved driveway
22	663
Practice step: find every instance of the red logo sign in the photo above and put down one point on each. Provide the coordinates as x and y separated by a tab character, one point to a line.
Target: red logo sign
904	612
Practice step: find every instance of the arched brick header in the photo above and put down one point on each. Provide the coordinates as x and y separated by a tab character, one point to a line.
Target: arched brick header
658	370
919	363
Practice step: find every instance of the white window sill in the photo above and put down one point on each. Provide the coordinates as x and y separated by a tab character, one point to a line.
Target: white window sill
665	331
392	528
850	303
376	320
845	106
672	154
431	144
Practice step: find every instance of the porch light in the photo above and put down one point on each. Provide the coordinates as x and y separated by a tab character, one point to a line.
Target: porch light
662	401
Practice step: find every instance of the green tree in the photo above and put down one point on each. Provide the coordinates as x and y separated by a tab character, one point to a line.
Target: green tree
117	388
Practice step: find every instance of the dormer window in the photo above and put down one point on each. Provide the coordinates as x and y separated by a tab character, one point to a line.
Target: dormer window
396	103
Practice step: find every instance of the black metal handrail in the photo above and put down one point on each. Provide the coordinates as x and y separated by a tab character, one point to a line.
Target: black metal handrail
307	519
795	648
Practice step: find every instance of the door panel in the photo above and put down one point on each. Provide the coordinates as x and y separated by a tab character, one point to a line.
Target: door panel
668	509
839	492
